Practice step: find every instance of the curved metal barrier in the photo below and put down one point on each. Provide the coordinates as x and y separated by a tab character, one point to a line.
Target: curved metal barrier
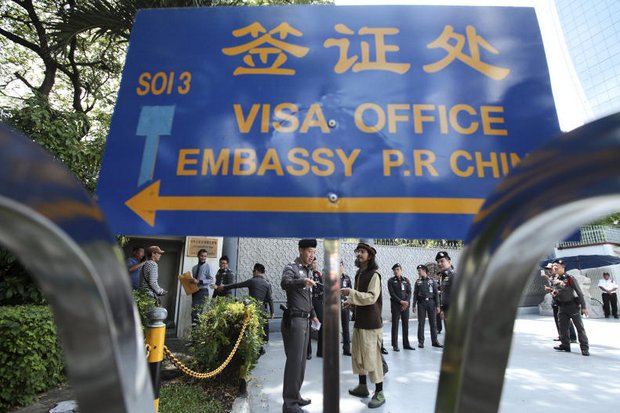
570	181
53	226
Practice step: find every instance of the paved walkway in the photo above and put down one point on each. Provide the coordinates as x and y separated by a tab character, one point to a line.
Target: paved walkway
538	379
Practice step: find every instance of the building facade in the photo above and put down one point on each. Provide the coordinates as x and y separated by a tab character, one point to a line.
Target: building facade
591	31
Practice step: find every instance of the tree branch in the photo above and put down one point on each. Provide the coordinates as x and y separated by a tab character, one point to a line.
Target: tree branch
21	41
23	79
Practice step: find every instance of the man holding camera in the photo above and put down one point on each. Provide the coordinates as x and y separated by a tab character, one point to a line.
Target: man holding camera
571	305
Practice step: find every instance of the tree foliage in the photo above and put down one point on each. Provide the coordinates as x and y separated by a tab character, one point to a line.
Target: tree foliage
60	133
61	97
63	65
114	18
76	75
610	221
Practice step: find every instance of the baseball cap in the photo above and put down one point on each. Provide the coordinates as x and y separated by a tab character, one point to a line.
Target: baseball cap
155	249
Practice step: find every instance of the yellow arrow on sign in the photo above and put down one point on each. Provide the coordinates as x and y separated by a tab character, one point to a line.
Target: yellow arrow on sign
147	202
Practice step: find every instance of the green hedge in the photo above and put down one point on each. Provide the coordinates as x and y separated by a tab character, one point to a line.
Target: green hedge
31	360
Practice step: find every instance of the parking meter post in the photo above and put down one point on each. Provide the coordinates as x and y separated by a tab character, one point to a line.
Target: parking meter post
155	338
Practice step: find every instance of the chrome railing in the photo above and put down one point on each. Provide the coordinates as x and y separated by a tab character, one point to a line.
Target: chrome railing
51	224
572	180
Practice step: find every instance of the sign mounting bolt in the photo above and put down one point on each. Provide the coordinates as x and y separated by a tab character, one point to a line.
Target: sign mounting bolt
331	123
333	198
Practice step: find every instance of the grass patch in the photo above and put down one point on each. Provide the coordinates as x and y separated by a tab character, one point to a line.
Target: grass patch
186	398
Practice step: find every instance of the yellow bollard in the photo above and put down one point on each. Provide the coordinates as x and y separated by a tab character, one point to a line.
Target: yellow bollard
155	338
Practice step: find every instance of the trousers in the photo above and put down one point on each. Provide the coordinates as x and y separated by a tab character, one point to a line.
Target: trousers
345	318
403	316
427	308
295	336
571	312
610	300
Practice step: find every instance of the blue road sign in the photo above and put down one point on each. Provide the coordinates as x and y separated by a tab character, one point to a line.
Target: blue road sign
326	121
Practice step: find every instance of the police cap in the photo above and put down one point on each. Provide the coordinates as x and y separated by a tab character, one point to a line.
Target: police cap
422	267
559	261
397	265
442	254
307	243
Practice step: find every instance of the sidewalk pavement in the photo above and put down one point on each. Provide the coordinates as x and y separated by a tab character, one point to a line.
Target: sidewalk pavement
538	378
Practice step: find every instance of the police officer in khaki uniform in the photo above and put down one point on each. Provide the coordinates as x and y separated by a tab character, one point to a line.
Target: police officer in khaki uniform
297	283
426	298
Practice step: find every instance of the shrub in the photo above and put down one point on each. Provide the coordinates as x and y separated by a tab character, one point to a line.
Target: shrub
144	302
31	360
214	337
16	284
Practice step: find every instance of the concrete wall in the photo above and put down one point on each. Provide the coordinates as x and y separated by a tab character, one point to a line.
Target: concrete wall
275	253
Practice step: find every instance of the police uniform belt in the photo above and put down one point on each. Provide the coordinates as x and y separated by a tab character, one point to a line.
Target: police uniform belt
299	314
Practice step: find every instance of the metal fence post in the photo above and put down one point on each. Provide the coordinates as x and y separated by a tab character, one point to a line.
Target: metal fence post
331	327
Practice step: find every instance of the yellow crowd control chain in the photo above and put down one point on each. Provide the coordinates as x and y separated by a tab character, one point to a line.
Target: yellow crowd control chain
177	363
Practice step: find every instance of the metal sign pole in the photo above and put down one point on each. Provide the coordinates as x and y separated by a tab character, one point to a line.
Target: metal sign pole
331	327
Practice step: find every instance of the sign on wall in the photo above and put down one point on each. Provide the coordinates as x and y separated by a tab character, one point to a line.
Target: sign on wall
326	121
195	244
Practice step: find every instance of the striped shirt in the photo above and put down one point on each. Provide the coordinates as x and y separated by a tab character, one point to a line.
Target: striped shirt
150	277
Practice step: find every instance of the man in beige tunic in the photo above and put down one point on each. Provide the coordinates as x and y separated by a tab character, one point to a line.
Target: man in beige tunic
366	300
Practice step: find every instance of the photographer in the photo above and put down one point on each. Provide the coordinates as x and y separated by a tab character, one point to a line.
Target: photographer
547	274
571	306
